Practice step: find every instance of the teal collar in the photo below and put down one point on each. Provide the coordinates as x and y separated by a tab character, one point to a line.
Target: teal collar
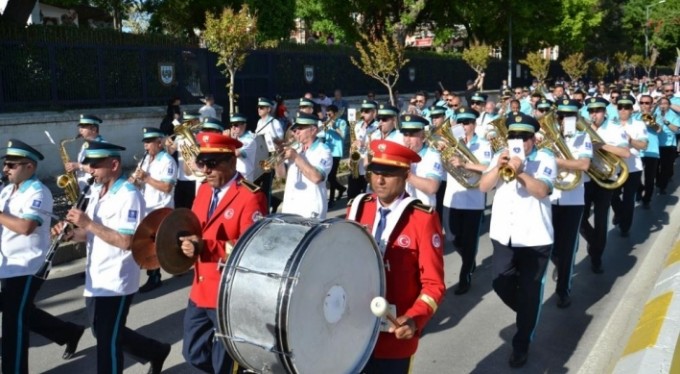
117	184
27	183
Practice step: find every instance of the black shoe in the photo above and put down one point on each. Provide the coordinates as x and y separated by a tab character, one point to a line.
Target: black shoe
645	205
331	203
597	268
518	359
624	233
157	363
72	344
341	191
555	274
462	288
615	220
563	301
151	284
663	192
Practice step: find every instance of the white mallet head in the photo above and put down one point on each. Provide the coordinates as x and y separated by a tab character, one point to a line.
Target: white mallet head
379	306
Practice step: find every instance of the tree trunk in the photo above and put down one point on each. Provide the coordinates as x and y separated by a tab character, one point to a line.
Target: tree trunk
17	11
389	91
232	72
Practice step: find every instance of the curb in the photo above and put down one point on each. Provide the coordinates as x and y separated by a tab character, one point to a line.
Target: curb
618	348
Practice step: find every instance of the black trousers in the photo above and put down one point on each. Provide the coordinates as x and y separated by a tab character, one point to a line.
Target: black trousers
108	316
623	200
666	160
440	199
333	179
465	225
598	199
185	192
355	186
388	366
20	315
518	278
566	220
649	171
200	348
266	181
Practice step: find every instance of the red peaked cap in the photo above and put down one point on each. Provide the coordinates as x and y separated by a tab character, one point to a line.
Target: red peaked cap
388	153
217	143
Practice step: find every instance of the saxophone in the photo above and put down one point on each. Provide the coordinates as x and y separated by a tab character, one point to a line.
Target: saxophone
68	181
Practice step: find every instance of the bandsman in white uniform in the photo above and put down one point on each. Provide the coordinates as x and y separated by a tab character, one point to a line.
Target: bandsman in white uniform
156	178
308	166
442	116
88	129
478	103
521	227
245	156
25	220
543	106
362	131
466	205
387	125
567	205
273	132
111	273
185	188
423	180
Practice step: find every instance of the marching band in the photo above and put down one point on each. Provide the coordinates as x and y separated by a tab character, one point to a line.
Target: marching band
545	161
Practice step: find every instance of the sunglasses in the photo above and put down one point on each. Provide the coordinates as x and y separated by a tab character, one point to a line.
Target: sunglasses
542	110
477	102
13	165
262	107
667	91
645	103
209	163
384	119
518	92
595	110
524	137
366	110
625	107
420	101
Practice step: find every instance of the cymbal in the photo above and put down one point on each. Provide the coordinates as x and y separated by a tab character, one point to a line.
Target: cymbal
181	222
143	245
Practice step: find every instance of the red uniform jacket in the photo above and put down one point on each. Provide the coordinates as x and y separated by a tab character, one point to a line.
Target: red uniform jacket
235	213
414	270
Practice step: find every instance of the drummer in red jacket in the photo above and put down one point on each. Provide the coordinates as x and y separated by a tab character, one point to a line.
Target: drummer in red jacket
226	205
409	235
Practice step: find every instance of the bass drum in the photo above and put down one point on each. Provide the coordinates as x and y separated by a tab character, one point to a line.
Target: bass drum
295	296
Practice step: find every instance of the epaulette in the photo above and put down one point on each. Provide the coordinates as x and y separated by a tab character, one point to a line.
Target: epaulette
250	186
422	207
368	197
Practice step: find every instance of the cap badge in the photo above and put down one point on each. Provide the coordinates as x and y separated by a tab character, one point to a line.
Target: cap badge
461	110
382	106
593	100
518	119
382	147
407	118
9	144
206	138
144	130
365	101
86	145
565	102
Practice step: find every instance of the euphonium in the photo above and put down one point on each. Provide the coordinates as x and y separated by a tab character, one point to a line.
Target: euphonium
500	142
189	149
650	122
453	148
68	181
604	164
552	140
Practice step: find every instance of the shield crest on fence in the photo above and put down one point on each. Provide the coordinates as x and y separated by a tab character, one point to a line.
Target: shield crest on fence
412	74
166	73
309	73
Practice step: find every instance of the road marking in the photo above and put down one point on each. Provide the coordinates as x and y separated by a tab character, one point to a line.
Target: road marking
648	328
675	364
674	256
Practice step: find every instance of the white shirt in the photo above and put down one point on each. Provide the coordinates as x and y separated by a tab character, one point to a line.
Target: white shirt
245	162
207	111
163	168
302	196
430	167
24	254
516	216
181	141
456	195
112	271
271	129
364	135
82	176
637	130
580	147
482	124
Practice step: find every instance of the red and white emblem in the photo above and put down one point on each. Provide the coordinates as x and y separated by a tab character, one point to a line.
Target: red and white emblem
403	241
229	213
436	241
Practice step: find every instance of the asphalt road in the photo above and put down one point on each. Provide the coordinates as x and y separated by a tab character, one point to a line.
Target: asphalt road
469	334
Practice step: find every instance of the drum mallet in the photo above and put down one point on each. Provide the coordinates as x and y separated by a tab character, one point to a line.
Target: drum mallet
380	309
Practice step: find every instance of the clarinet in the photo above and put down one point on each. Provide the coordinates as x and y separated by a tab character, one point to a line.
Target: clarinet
44	270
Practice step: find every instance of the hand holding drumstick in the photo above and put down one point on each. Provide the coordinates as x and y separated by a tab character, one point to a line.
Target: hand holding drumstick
403	327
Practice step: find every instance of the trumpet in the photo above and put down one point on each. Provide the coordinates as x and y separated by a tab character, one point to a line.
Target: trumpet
650	122
553	141
277	157
132	179
604	164
500	142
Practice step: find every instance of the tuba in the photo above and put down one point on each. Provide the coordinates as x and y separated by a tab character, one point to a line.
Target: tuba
454	148
552	140
604	164
650	122
499	142
68	181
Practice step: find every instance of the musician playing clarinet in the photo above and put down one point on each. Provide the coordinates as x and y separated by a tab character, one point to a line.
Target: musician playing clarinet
226	205
25	224
409	236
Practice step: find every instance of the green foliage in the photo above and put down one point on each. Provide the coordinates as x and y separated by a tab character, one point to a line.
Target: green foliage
663	27
231	36
620	61
579	21
575	66
537	65
381	59
275	18
477	56
598	69
181	17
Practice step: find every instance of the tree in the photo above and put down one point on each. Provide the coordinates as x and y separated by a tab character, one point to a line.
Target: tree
575	66
381	59
620	62
537	65
663	28
598	69
182	17
232	36
478	56
580	20
276	18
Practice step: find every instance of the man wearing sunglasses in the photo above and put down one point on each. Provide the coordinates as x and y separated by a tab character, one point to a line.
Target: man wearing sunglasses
650	156
596	197
521	228
452	104
88	129
612	108
245	155
156	177
409	237
425	176
25	239
542	108
112	275
478	103
362	131
309	163
270	128
226	206
623	200
670	125
387	124
438	117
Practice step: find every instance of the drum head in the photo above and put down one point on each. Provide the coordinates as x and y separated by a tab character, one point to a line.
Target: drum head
326	319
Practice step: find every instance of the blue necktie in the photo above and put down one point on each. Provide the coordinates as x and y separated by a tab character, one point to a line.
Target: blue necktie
213	202
381	224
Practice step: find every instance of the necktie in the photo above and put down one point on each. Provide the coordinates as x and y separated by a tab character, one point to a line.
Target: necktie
213	202
381	224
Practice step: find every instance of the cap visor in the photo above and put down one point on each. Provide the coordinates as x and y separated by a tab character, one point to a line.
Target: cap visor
382	168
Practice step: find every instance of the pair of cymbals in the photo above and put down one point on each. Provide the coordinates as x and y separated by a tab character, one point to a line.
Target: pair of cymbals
156	240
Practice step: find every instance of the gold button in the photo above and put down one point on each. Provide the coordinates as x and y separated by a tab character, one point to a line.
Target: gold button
200	278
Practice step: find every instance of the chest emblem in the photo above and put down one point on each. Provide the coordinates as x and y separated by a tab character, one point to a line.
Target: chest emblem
229	213
403	241
436	240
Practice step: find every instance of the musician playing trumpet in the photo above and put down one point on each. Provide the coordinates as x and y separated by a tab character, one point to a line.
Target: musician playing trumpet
466	205
309	162
567	205
334	134
669	121
651	155
362	131
245	156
